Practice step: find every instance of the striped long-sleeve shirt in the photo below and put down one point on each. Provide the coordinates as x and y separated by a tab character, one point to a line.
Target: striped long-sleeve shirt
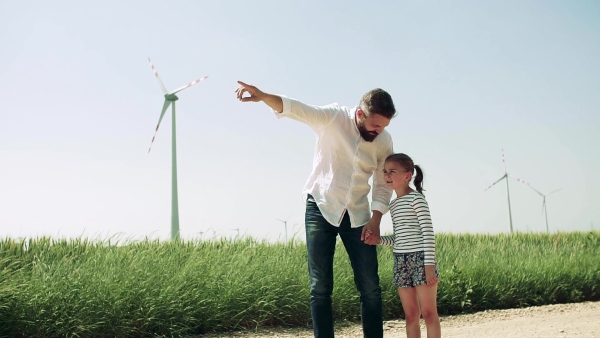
413	230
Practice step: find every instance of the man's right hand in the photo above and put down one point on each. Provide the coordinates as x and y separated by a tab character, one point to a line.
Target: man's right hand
273	101
255	93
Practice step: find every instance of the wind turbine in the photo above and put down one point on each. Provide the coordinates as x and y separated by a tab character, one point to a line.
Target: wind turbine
505	176
170	99
544	209
285	225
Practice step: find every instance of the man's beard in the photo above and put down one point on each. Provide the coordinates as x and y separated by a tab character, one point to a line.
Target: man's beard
368	136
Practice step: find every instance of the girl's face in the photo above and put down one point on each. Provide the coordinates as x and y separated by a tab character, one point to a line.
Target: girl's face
395	176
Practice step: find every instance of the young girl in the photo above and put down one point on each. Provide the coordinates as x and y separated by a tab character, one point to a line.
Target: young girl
415	271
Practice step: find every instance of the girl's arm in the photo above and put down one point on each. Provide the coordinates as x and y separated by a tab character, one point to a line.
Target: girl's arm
383	240
424	217
386	240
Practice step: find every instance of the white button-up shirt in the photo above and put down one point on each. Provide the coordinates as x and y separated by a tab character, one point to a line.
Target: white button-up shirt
343	163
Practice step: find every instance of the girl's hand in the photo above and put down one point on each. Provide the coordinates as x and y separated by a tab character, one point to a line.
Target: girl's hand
430	275
368	234
370	231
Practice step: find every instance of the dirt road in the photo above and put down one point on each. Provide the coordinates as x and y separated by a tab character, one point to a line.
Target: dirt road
563	320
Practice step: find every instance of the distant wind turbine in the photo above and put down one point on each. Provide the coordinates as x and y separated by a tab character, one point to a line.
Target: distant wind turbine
170	98
544	208
505	176
285	225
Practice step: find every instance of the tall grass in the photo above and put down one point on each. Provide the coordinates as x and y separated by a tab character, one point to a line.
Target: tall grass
56	287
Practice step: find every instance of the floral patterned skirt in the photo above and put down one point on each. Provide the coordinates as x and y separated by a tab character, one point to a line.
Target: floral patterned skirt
409	269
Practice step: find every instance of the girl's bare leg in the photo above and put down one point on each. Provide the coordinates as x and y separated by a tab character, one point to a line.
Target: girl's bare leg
427	298
410	304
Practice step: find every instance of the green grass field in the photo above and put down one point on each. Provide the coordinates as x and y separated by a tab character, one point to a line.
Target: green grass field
51	288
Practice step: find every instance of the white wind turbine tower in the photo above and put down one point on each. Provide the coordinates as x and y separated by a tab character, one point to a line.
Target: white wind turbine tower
170	98
505	176
544	209
285	225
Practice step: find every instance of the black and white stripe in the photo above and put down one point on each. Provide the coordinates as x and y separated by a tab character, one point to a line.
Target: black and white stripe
413	230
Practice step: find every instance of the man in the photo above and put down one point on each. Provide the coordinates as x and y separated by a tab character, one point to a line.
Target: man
351	146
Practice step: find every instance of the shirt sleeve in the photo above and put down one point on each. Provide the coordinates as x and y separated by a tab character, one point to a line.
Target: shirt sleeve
422	209
381	193
386	240
317	117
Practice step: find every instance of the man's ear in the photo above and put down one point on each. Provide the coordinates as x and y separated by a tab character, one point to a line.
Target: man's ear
360	114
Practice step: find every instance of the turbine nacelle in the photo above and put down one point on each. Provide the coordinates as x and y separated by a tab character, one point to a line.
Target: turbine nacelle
171	97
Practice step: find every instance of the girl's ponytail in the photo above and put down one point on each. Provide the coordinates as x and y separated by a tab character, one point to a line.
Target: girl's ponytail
418	181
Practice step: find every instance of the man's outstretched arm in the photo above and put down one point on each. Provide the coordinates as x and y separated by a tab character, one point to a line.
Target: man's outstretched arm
256	95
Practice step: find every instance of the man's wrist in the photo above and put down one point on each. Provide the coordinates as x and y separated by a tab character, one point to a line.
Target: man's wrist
377	216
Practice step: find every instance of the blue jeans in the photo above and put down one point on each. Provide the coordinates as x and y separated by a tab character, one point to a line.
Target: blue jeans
320	242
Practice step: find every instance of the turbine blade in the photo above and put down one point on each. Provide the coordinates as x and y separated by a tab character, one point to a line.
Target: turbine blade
527	184
553	191
188	85
157	77
162	114
500	179
503	161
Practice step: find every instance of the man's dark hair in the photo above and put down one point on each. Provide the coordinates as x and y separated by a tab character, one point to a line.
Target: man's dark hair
378	101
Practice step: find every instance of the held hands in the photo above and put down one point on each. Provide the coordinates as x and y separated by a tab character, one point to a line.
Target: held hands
370	233
255	93
430	275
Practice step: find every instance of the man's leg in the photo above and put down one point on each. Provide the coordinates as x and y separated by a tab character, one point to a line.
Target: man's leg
320	244
363	258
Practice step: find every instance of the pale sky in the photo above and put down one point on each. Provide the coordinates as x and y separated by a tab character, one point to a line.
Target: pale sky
468	78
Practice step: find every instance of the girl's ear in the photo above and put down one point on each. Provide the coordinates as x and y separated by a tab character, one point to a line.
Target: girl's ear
408	177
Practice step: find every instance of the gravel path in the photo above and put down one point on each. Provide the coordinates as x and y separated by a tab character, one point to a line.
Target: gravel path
560	320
